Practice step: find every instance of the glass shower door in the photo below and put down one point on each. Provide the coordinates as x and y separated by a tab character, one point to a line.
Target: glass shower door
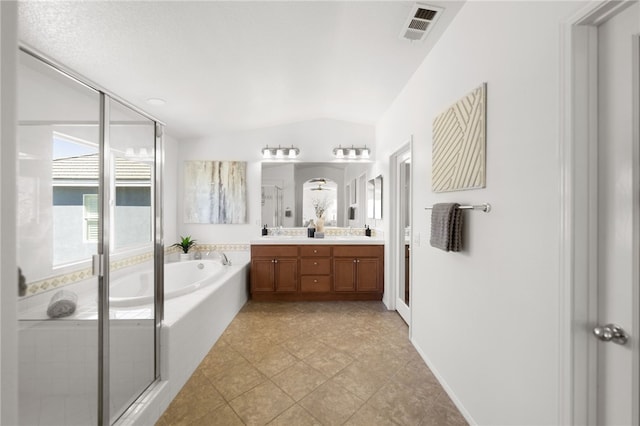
58	233
89	250
131	139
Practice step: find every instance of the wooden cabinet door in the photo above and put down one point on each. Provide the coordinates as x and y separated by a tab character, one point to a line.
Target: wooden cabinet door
286	271
367	274
344	274
262	278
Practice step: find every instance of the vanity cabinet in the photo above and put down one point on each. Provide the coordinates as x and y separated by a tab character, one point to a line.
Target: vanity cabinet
315	269
358	268
317	272
274	268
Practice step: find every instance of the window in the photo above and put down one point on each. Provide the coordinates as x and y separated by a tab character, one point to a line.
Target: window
90	214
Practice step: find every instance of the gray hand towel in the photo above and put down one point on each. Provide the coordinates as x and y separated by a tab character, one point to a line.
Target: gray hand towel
446	227
62	304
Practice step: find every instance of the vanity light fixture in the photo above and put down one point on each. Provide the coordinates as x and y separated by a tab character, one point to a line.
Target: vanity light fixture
280	153
353	153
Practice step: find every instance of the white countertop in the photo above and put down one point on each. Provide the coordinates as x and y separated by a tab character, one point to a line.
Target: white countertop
333	240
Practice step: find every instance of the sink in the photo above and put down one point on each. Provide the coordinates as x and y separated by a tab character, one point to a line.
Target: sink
282	237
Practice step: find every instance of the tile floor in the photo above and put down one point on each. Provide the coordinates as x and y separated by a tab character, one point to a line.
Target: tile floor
324	363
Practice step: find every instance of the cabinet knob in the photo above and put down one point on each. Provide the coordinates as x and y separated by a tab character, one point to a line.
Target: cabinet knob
315	281
358	260
315	263
354	261
315	251
276	261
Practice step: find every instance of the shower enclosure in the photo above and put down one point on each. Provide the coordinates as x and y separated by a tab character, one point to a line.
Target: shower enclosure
89	186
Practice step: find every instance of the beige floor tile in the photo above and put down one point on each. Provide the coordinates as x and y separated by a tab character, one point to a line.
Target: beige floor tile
193	401
253	348
299	380
421	380
219	359
261	404
331	403
329	361
303	345
328	356
295	416
401	403
439	415
382	363
275	361
222	416
237	379
360	380
368	415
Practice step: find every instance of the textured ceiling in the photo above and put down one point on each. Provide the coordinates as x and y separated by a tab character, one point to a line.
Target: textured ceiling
227	66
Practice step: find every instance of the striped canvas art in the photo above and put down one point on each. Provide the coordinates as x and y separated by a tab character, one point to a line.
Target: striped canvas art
215	192
459	145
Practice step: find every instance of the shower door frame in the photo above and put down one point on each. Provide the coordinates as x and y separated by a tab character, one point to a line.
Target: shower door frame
101	260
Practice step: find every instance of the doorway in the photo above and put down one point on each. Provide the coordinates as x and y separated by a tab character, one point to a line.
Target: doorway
401	173
601	255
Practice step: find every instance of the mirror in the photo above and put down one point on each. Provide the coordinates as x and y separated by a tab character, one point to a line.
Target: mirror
374	198
290	189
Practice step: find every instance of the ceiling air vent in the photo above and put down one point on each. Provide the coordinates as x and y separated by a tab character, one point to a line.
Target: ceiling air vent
420	21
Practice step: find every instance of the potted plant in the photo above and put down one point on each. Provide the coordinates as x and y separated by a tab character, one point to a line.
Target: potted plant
185	244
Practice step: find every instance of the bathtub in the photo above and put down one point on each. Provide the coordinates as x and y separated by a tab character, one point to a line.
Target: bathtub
192	323
195	315
180	278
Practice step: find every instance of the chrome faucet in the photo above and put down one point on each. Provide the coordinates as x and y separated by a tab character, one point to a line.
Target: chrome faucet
225	260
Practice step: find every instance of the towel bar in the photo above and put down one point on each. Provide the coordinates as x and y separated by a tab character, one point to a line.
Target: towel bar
486	207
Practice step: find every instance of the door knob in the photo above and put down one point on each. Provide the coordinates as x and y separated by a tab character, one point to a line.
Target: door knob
611	333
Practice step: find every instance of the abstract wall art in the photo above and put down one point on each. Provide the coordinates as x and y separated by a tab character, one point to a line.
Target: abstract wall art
215	192
458	159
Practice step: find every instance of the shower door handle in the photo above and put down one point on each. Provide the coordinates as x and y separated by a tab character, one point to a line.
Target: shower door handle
97	263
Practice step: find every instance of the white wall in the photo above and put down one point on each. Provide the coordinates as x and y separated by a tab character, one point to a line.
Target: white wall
170	188
486	319
8	267
316	140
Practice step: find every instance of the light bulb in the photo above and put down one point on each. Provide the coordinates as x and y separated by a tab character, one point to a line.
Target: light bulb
266	153
340	153
365	153
352	153
279	153
292	153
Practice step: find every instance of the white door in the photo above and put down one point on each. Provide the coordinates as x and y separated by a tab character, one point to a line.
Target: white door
402	231
616	215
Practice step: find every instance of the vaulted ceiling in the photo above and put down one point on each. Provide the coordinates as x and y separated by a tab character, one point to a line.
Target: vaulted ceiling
228	66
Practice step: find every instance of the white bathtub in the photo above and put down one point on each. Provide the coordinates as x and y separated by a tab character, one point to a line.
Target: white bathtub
192	323
179	278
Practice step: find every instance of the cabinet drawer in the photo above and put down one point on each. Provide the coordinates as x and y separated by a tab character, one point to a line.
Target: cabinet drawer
313	250
318	266
359	251
315	283
274	251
